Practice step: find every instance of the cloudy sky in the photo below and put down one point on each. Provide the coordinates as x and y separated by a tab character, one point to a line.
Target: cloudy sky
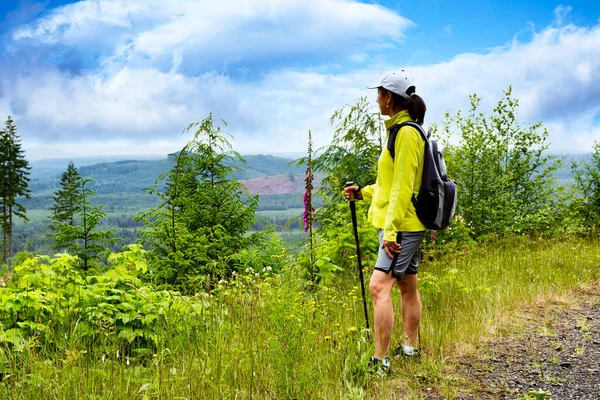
107	77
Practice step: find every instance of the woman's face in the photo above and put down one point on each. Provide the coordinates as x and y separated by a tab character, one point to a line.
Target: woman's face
383	98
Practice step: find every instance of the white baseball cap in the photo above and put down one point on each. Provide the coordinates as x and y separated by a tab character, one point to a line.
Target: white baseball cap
397	82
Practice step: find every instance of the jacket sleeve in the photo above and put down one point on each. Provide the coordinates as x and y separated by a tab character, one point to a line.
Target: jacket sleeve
406	165
367	192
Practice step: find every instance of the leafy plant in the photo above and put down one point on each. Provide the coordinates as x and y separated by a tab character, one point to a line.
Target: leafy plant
506	180
587	183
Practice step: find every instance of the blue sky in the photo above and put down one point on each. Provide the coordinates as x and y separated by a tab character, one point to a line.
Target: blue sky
96	77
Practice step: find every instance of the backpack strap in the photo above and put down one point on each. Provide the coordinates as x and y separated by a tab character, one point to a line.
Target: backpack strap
394	129
391	143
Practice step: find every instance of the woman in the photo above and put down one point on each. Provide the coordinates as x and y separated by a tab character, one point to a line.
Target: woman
392	212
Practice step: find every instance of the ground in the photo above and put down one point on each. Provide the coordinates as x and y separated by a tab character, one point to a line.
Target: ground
548	350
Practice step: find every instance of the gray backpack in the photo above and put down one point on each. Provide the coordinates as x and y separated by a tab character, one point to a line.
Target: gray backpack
436	203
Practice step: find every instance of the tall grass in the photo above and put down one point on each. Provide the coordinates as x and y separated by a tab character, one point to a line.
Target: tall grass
261	336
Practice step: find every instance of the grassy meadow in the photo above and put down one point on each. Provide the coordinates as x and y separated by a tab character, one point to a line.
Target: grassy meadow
260	335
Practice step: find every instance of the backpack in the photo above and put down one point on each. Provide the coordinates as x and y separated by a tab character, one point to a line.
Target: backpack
436	202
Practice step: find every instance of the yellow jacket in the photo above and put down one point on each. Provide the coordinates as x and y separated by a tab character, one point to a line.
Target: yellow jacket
397	180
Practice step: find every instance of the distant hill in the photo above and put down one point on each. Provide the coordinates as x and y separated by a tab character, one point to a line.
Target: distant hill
280	184
119	184
134	175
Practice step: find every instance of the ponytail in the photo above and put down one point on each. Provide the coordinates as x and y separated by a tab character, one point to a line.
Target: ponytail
416	108
415	105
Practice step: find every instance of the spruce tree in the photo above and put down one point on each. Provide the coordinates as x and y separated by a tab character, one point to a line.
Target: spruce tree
67	202
202	222
14	173
85	238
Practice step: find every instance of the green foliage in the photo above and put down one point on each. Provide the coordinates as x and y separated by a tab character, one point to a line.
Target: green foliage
14	181
587	183
456	239
204	214
335	248
67	201
537	394
257	334
352	156
48	295
84	238
506	181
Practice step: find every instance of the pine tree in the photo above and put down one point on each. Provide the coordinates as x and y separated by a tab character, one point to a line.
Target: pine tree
204	215
85	240
14	173
67	202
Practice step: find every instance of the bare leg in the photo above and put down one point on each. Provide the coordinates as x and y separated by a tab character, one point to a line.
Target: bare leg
411	309
381	286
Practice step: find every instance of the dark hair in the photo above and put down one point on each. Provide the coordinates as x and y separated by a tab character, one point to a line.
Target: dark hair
415	105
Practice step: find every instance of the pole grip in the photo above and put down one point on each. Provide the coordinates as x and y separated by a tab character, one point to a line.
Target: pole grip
351	197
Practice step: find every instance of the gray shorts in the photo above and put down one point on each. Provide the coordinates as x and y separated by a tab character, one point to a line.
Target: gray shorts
407	262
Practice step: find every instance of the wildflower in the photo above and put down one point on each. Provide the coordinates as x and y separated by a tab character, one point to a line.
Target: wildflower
433	236
327	338
352	329
307	216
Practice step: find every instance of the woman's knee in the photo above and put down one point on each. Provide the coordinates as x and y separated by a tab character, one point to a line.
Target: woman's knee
408	285
378	290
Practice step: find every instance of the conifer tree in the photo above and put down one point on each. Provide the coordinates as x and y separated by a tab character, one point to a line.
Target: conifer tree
67	202
85	239
14	181
204	215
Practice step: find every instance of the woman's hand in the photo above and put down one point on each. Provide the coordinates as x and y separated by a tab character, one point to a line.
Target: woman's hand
391	248
353	189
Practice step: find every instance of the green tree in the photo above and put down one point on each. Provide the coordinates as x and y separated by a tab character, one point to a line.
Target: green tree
204	215
85	238
14	173
352	155
506	181
587	183
67	201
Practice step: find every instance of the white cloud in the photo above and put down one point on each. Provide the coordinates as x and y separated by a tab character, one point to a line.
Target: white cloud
135	101
147	33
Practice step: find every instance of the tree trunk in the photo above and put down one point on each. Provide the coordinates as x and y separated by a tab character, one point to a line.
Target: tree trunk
85	234
4	247
10	230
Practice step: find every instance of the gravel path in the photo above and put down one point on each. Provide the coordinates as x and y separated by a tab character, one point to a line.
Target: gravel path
552	351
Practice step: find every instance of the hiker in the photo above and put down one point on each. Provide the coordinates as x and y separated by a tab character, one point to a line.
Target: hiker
392	212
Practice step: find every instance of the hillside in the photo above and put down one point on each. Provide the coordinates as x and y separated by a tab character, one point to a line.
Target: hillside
280	184
132	176
120	184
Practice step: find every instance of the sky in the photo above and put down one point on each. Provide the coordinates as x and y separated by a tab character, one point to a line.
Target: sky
126	77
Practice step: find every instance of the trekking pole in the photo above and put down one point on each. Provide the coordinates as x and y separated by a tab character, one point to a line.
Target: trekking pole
351	199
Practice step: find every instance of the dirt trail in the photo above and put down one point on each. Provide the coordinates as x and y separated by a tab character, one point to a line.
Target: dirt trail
552	348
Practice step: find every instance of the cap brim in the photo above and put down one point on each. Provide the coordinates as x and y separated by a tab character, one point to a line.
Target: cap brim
374	87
